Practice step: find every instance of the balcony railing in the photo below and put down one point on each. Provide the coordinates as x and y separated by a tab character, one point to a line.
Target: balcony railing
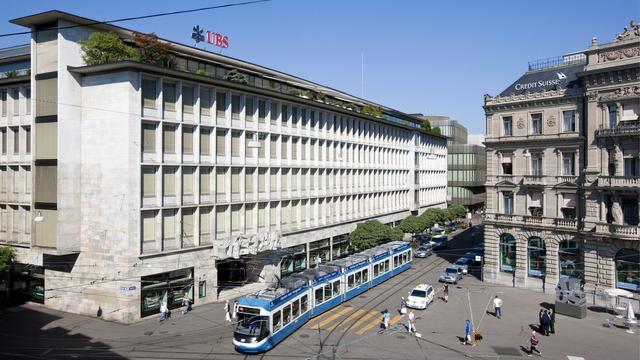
533	180
619	181
624	128
566	179
504	217
566	223
626	231
533	220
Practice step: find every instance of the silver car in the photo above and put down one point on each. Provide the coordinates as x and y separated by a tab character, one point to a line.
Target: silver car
451	275
463	263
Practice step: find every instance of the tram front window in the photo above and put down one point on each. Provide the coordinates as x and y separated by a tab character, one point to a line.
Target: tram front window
251	327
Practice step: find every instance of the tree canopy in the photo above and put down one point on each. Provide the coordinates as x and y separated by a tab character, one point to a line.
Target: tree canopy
412	224
7	256
372	233
106	47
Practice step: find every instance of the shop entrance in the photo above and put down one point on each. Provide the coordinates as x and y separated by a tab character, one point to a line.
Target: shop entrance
231	273
169	287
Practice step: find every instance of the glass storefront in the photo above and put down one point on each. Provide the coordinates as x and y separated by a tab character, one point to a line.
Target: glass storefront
570	259
536	255
319	252
295	261
340	247
27	283
628	269
170	287
507	253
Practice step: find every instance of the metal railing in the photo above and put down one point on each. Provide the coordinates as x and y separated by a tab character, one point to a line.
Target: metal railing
622	129
555	61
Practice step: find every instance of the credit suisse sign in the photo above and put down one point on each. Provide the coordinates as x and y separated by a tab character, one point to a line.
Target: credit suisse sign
211	37
557	80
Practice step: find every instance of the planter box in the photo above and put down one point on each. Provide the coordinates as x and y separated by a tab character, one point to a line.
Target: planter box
575	311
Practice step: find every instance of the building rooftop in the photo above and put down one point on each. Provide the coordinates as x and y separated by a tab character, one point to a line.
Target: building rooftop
15	51
550	78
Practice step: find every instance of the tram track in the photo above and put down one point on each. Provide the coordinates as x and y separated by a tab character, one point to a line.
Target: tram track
378	299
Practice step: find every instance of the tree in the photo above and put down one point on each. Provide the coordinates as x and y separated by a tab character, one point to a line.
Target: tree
235	76
104	48
411	224
457	211
153	51
374	111
425	125
371	233
7	256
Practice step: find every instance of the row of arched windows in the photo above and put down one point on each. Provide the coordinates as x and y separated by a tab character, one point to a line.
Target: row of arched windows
570	260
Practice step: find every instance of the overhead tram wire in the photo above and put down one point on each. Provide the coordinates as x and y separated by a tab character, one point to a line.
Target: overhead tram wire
142	17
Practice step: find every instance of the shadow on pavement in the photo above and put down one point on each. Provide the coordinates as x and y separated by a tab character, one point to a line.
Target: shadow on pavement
29	333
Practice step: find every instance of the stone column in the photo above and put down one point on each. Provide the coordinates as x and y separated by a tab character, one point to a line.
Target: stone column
551	264
521	263
558	162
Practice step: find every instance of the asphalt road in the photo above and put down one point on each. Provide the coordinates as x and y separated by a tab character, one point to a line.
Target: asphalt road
349	331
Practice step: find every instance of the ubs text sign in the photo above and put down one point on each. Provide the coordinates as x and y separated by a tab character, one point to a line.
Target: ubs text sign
210	37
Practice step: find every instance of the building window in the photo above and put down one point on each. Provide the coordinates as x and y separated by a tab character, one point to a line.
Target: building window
273	146
202	289
168	229
568	163
220	146
536	124
187	99
16	140
506	164
15	95
205	101
205	141
235	106
632	166
507	203
273	113
570	259
628	269
235	143
537	257
148	231
221	221
221	189
3	100
285	114
187	140
249	108
536	165
507	253
27	134
27	96
262	110
630	111
187	239
169	181
149	93
569	121
506	126
235	180
148	181
205	225
187	181
169	139
613	116
536	204
205	181
148	138
568	208
221	103
169	96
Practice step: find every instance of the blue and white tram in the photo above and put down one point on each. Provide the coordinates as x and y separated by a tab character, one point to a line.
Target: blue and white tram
267	317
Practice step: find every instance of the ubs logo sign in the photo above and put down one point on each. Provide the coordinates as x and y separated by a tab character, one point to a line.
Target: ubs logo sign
213	38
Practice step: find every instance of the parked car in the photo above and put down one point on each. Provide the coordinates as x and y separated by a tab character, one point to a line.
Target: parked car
424	251
440	241
451	275
422	239
463	263
437	231
420	297
452	226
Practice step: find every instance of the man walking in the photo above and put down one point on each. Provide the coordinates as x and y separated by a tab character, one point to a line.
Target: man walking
552	323
164	311
385	318
497	305
468	333
446	293
411	321
546	323
227	315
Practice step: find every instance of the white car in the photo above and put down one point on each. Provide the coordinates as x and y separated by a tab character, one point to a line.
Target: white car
420	297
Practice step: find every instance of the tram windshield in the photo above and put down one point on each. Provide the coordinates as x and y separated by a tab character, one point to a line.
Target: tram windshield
252	324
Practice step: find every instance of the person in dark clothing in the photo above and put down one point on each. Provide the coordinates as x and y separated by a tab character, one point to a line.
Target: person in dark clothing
546	323
540	328
552	323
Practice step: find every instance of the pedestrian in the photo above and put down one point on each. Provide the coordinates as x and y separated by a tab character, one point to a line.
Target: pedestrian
385	318
227	315
497	305
552	323
534	341
540	329
546	323
468	333
411	321
446	293
186	305
234	310
164	312
403	306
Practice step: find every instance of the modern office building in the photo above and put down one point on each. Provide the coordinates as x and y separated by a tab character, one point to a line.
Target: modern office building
563	182
127	184
466	164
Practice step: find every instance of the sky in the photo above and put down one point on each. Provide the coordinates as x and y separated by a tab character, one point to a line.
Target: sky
419	56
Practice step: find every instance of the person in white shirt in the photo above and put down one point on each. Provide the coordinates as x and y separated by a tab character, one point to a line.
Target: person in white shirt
164	311
411	321
497	305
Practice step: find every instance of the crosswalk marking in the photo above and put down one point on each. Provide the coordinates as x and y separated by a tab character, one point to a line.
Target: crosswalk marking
324	314
395	319
360	321
331	318
352	316
371	324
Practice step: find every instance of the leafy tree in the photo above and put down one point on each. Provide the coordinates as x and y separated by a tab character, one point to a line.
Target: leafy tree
104	48
411	224
153	51
372	233
425	125
7	256
457	211
235	76
374	111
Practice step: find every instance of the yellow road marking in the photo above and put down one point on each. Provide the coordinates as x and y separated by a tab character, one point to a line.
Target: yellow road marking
326	313
358	312
378	322
332	317
360	321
